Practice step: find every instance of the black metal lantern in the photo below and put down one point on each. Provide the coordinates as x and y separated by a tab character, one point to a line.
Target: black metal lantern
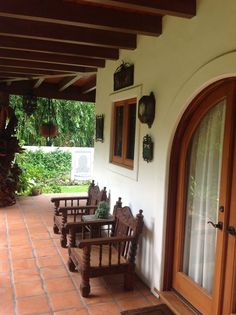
146	109
147	149
29	103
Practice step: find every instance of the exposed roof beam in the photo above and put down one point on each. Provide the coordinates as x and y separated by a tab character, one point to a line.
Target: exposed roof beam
51	58
48	90
21	76
45	66
30	72
84	15
65	33
47	46
67	82
183	8
6	76
38	83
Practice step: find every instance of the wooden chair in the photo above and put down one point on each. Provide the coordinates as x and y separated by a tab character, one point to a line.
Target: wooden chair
72	201
112	253
74	211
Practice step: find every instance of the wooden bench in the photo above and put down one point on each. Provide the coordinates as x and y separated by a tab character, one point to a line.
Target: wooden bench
114	252
72	209
73	201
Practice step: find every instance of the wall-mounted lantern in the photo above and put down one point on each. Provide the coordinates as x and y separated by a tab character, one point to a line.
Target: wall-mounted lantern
146	109
147	148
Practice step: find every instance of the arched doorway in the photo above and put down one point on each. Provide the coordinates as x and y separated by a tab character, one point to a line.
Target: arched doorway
200	239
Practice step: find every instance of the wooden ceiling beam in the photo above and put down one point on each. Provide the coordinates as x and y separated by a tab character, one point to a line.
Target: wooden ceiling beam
82	14
6	76
38	83
48	90
183	8
64	84
51	58
30	72
67	49
65	33
45	66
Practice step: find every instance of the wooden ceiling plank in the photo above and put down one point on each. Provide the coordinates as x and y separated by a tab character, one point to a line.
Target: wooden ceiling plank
183	8
67	82
82	14
51	58
65	33
66	49
45	66
48	90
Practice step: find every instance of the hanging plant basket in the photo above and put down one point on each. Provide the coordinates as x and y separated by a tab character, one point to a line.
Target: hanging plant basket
48	130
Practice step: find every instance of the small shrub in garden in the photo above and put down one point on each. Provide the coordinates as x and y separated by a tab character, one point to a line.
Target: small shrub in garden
46	169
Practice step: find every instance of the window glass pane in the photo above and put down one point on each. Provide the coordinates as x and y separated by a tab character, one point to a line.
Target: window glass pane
119	114
202	197
131	131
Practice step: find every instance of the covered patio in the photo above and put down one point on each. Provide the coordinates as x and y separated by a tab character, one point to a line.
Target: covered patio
180	57
34	278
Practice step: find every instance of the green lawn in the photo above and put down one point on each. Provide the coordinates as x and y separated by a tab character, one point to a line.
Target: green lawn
74	189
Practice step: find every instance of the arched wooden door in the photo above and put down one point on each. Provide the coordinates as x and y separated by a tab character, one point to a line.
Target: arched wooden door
204	201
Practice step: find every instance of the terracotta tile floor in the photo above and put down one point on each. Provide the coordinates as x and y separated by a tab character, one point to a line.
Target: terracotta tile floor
34	278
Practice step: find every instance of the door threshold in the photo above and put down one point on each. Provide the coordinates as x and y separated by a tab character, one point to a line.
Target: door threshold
176	303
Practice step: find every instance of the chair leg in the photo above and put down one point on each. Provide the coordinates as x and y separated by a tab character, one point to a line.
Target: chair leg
71	265
55	229
129	281
85	286
63	241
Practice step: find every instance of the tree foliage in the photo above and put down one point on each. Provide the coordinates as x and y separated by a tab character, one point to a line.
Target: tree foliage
75	121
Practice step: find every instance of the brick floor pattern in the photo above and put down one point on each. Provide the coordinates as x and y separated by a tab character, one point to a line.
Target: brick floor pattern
34	278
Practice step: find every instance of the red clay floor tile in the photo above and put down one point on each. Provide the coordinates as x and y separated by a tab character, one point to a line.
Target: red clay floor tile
33	305
65	300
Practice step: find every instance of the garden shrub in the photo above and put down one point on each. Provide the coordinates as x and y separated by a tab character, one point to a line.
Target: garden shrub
45	169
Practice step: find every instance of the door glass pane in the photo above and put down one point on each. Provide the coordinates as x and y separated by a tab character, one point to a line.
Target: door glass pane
202	197
131	131
119	114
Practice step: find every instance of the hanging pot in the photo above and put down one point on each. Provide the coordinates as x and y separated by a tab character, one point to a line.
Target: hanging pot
48	130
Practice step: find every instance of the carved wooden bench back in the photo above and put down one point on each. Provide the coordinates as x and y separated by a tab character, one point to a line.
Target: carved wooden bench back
127	225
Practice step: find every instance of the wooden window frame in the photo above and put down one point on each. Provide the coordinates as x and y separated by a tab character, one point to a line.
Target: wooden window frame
122	160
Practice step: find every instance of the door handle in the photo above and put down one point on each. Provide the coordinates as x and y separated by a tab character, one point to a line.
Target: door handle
218	225
231	230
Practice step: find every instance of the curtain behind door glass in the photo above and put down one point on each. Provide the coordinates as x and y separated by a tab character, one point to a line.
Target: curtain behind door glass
202	197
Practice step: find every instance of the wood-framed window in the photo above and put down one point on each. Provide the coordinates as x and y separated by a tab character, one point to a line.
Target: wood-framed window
123	132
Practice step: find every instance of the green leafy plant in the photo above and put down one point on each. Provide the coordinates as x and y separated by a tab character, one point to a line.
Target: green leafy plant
76	130
43	170
103	210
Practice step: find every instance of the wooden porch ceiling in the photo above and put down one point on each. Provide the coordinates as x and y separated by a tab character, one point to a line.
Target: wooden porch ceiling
54	48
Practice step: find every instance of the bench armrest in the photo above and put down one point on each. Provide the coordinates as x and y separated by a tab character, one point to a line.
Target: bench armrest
105	241
58	199
86	209
73	226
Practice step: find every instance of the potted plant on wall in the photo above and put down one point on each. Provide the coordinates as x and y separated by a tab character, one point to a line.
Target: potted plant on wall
35	187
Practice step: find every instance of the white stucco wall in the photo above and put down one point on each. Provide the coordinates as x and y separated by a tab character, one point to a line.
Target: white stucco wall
189	55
